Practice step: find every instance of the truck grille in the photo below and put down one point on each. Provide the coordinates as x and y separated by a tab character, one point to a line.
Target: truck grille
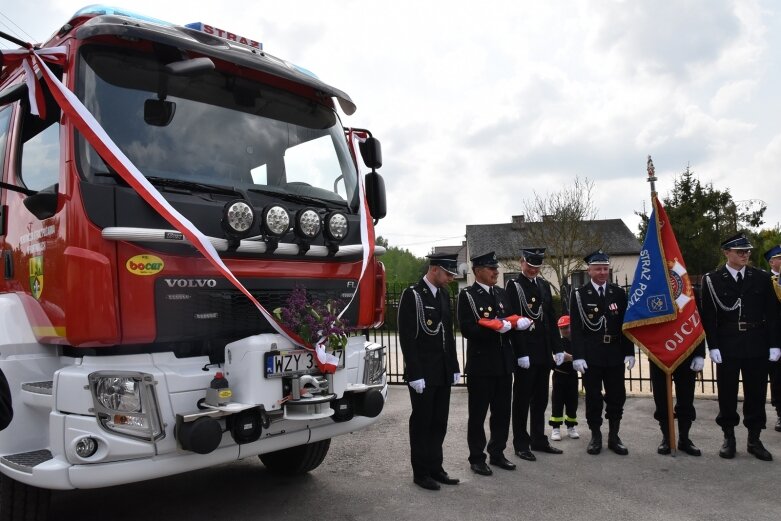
198	308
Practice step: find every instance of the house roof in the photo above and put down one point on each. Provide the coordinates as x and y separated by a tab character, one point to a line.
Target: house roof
460	251
507	239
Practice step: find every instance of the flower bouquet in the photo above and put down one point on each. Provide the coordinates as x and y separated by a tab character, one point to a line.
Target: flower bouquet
317	324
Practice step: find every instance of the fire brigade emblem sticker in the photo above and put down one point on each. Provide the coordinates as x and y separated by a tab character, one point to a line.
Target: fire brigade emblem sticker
36	276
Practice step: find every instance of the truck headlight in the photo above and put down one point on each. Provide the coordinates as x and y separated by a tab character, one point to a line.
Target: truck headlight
307	224
125	403
276	221
238	218
337	226
374	365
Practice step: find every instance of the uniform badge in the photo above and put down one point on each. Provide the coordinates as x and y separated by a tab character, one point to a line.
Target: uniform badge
501	305
489	308
534	299
429	322
596	310
590	315
486	314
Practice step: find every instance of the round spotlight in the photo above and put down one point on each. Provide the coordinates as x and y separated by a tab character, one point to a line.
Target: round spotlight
336	226
307	223
86	447
237	218
276	221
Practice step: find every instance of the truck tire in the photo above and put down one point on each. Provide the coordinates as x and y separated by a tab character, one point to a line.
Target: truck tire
296	460
20	502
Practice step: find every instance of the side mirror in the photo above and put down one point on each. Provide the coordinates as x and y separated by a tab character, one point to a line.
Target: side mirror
159	113
44	203
375	195
371	152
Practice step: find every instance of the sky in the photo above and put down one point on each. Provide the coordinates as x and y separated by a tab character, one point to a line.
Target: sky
481	105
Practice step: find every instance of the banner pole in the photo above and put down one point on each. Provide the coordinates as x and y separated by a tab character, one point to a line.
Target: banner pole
651	176
670	415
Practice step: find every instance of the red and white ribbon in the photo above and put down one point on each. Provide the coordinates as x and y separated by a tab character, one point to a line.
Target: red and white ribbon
108	150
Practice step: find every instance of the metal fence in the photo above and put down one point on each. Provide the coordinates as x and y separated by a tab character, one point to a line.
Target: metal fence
638	380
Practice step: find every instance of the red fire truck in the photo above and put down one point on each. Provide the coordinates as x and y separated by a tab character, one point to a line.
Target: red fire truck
113	325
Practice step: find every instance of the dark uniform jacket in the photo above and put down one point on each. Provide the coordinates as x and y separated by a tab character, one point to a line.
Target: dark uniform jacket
748	331
539	343
565	367
605	347
432	357
488	353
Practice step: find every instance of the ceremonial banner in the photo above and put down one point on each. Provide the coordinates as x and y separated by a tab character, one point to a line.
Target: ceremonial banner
661	315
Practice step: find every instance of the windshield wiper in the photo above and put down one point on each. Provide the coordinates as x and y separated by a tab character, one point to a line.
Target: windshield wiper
191	185
173	183
297	198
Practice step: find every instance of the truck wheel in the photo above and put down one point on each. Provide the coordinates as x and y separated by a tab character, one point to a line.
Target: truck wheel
296	460
20	502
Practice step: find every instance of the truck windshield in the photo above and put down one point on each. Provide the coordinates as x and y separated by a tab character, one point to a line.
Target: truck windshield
213	128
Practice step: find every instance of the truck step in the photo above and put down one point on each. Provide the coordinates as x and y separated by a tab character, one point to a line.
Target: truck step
25	461
38	394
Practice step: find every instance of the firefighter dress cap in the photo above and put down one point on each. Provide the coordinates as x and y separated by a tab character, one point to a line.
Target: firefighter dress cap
487	260
597	257
775	251
563	321
534	256
446	261
736	242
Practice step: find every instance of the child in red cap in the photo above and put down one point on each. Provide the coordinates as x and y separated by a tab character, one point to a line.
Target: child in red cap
565	389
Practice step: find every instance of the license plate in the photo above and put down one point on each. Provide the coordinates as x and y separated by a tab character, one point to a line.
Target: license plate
295	362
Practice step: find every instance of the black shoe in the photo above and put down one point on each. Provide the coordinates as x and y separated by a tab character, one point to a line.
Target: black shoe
614	443
778	424
548	449
688	447
595	445
664	447
443	478
759	451
426	482
727	450
526	454
502	462
481	468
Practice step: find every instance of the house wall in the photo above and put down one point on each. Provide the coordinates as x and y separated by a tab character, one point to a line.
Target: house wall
623	267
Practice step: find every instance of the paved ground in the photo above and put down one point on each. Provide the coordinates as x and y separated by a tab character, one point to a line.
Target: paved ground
366	476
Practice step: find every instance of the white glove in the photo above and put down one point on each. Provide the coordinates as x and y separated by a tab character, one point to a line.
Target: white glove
580	365
715	355
506	326
775	354
523	362
418	385
559	357
698	363
630	362
523	323
456	378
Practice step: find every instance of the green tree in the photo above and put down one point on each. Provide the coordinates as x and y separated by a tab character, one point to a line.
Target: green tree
702	217
401	266
763	241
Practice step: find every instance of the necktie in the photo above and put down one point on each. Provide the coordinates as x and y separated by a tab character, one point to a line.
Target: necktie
739	277
601	292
